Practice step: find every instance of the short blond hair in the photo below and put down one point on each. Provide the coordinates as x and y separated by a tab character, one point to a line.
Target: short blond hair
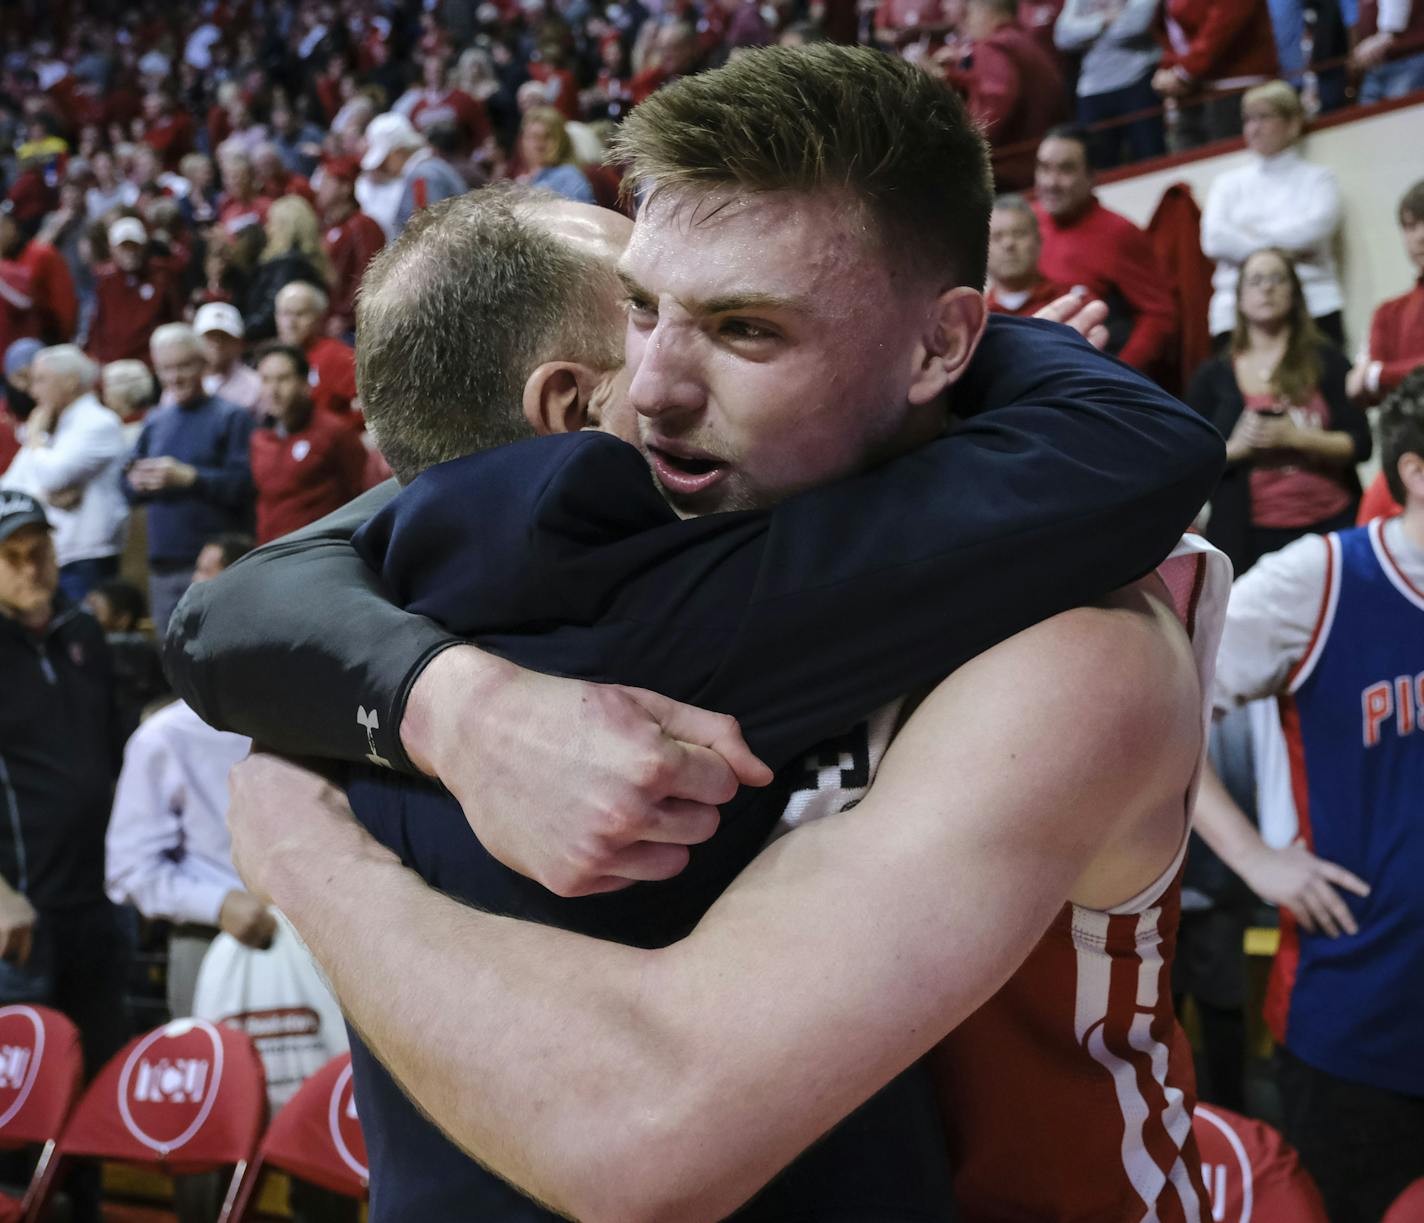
1280	96
826	118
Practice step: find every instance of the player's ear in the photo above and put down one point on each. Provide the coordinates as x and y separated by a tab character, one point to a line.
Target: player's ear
954	326
1411	474
556	396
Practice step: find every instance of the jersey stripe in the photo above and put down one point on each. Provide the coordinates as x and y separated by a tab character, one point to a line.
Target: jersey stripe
1391	566
1329	601
1287	961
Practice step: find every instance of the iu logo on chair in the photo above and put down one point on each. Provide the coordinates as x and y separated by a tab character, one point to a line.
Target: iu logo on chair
345	1126
166	1092
22	1038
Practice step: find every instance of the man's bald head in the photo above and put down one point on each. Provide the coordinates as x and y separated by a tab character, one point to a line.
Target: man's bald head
473	298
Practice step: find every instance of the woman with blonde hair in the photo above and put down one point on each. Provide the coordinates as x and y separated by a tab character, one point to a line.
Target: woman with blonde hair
1277	199
294	251
548	156
1293	436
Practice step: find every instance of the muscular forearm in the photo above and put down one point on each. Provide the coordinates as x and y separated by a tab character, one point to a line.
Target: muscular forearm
298	646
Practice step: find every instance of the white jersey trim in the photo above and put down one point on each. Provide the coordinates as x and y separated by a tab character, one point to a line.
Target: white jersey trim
1391	566
1327	617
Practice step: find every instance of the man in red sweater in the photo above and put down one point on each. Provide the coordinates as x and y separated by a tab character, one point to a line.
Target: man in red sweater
36	290
1016	286
1397	331
168	131
134	295
301	309
351	237
1089	245
1013	86
305	463
440	102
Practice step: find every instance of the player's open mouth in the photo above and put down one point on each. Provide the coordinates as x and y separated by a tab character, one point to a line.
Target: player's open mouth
685	474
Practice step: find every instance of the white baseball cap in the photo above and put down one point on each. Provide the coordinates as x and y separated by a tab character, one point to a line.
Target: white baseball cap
384	135
218	316
127	229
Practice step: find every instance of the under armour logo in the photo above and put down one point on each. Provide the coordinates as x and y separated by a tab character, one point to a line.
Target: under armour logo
372	723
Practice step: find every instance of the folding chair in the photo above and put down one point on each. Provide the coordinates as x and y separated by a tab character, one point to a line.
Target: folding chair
316	1137
41	1073
188	1097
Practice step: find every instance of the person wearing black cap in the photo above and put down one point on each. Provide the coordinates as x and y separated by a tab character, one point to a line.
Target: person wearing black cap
62	942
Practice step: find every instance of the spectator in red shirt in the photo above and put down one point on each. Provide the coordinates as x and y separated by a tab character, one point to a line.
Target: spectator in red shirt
1016	286
274	179
1397	332
1013	86
37	296
301	309
560	85
674	54
1089	245
351	237
305	463
135	294
1211	50
240	204
438	102
169	132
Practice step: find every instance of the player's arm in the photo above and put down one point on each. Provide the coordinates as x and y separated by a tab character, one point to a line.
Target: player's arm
622	1084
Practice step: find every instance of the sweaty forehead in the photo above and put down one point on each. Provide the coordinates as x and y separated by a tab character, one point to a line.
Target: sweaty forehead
816	251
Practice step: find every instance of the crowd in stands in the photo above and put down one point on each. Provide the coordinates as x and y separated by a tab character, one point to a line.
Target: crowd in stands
191	196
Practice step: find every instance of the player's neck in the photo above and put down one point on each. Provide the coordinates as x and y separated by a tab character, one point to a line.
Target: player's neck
1412	522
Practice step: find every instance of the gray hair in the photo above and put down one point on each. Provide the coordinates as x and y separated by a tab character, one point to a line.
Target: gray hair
323	302
70	359
455	314
175	335
130	381
1017	203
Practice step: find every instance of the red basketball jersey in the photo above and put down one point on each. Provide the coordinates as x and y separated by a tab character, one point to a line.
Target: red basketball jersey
1252	1174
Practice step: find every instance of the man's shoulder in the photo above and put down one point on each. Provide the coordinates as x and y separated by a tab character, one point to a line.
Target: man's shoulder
1391	307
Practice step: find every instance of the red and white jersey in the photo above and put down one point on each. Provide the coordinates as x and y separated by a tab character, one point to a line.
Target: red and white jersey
1068	1095
1252	1174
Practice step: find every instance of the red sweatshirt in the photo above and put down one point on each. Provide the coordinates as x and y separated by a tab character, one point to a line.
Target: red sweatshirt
303	476
37	297
350	246
1222	41
1397	335
1110	256
333	376
1043	292
130	306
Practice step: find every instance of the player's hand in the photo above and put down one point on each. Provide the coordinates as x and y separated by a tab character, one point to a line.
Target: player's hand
1357	380
1170	84
1371	52
288	823
1295	879
155	475
1086	315
581	787
247	919
17	926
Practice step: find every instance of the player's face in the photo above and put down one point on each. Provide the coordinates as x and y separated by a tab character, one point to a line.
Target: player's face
770	342
1013	246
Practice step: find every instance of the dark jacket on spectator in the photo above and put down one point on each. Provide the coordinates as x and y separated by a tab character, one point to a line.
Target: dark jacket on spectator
214	436
60	748
259	312
1213	392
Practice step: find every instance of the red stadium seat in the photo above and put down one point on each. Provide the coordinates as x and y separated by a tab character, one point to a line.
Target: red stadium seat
316	1137
1251	1172
41	1073
188	1097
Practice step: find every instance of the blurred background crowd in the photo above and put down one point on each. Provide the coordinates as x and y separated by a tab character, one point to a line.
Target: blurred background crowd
189	196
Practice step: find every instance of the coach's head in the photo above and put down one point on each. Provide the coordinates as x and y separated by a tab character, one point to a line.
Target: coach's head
494	315
804	276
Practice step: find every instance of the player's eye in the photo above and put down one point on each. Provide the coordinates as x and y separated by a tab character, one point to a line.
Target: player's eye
745	329
640	310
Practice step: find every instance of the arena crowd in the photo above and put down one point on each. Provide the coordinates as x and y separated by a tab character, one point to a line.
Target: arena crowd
191	200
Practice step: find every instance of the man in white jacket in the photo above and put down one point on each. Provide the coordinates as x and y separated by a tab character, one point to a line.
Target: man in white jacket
70	459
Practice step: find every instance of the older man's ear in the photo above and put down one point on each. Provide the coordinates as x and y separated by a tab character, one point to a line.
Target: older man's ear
556	396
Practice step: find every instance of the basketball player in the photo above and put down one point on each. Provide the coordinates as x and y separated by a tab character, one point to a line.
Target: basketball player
1334	627
692	1119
